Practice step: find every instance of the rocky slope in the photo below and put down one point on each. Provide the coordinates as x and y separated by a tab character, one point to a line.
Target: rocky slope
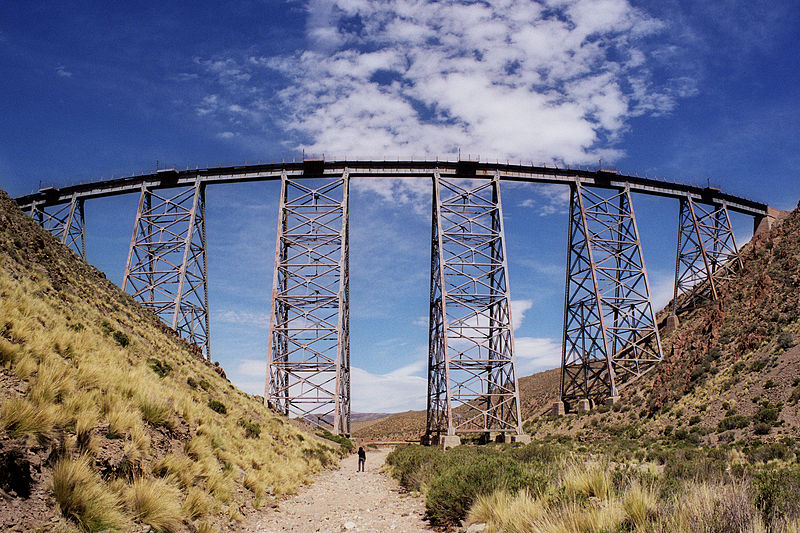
731	370
109	421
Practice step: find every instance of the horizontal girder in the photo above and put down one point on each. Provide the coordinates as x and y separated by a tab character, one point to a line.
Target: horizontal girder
380	169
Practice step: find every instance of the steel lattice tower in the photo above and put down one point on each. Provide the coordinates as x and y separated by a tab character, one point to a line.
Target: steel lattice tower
166	268
309	346
610	333
707	253
472	382
66	223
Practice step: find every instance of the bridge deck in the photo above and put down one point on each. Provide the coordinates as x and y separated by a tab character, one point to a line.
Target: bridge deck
380	169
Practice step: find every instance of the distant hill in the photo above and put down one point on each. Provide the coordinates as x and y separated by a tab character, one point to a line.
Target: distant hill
537	393
110	421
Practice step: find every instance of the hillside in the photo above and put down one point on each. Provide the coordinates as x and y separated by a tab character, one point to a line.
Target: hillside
731	370
109	421
536	391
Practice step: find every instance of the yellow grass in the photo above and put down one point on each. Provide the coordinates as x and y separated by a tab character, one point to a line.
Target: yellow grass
84	498
156	503
21	417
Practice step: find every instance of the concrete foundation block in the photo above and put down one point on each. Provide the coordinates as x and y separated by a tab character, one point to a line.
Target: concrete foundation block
521	439
671	324
559	409
449	441
611	400
584	406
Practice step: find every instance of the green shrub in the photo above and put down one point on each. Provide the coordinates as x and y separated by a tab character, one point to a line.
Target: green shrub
695	420
217	406
776	491
251	429
786	340
762	428
121	338
767	415
733	422
346	444
161	368
452	492
191	382
770	384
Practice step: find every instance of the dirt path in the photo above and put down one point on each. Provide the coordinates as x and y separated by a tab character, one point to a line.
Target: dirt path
346	500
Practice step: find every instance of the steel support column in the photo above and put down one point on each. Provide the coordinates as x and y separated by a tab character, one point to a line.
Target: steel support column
707	253
309	335
166	268
610	333
65	222
472	380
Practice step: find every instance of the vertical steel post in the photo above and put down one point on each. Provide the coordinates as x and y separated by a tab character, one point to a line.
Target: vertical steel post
471	352
65	222
166	268
610	334
707	253
309	351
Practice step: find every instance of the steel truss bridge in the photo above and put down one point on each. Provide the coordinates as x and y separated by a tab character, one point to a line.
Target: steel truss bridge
610	338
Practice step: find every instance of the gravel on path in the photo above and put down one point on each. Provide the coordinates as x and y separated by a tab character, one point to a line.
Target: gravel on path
346	500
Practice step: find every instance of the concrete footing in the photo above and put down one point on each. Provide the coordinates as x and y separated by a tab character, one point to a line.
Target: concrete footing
558	409
493	436
521	439
671	323
611	400
584	406
449	441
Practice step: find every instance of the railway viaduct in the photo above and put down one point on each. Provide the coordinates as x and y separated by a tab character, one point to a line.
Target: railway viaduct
610	335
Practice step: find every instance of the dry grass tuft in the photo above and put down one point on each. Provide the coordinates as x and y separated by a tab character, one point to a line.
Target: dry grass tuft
83	497
196	503
21	417
590	479
155	503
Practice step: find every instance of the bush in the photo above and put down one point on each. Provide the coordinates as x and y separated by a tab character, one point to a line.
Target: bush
191	382
733	422
786	340
762	429
776	492
695	420
121	338
155	410
251	429
767	415
452	493
217	406
161	368
346	444
770	384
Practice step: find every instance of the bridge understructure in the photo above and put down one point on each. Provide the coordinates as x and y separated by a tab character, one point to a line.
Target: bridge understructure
166	268
610	332
610	335
472	380
707	253
308	357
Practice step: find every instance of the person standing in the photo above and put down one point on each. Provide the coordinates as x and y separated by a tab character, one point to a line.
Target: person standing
362	459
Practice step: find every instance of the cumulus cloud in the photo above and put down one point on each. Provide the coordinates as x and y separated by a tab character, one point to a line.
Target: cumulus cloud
400	390
550	81
538	81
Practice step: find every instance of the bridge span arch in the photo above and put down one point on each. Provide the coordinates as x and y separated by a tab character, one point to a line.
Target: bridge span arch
610	334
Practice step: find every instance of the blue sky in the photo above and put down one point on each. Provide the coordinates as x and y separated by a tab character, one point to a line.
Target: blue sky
697	92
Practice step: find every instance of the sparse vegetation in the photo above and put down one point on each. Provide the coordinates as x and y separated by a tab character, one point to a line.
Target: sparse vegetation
95	385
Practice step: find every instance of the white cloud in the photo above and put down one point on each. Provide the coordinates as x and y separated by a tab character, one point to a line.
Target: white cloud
535	354
399	390
511	79
63	72
242	318
548	199
226	135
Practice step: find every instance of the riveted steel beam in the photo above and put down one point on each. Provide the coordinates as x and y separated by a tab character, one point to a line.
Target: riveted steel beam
166	268
610	335
309	336
472	380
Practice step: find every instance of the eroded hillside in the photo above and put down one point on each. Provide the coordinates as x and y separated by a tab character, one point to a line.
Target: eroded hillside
731	370
109	421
